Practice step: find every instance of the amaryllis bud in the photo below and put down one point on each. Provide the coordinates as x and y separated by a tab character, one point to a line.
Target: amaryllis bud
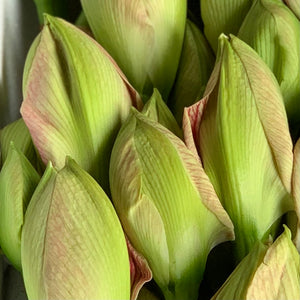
241	132
18	180
267	272
73	246
144	37
167	206
75	98
273	31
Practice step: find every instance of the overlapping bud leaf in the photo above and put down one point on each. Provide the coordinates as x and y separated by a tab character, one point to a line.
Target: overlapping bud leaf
157	110
222	16
144	38
267	272
18	180
18	133
195	66
166	204
241	133
294	5
73	246
75	98
273	31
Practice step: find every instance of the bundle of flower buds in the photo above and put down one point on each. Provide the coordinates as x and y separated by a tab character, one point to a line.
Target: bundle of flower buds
156	156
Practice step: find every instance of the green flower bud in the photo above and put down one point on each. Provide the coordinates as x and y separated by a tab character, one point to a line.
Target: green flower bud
18	180
167	206
267	272
273	31
196	64
73	246
241	132
75	98
157	110
18	133
147	39
222	16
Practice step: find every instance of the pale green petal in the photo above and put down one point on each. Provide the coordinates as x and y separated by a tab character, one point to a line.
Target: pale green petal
29	60
241	130
294	5
195	67
267	272
33	240
278	276
157	110
73	246
125	163
147	38
273	31
222	16
18	133
18	180
270	109
166	204
75	98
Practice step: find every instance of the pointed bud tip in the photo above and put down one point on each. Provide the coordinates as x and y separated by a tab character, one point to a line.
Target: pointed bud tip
47	18
223	37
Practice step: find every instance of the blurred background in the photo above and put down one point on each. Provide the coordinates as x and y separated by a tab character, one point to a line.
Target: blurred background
18	27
